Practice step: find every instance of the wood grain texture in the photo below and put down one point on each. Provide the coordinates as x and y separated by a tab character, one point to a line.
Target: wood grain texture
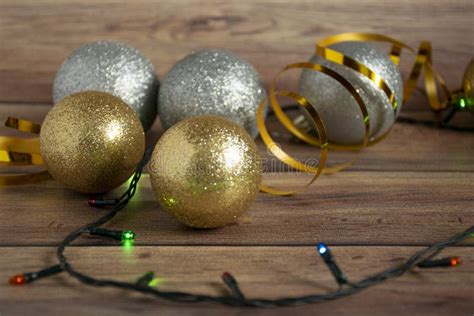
38	35
361	208
262	272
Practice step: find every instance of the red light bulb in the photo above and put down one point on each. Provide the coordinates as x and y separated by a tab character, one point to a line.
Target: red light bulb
455	261
18	279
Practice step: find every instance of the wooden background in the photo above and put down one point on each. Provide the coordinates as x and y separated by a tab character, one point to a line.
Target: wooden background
412	190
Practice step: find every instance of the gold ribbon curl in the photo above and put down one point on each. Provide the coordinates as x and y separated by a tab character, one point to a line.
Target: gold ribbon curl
423	61
23	125
21	152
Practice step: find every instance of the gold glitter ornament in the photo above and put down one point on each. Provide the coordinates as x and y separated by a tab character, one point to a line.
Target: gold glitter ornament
91	141
206	171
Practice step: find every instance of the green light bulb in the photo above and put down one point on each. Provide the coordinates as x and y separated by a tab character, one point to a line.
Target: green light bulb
154	282
128	235
464	103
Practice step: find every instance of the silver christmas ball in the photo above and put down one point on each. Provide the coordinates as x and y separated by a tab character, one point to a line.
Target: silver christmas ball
211	82
339	111
114	68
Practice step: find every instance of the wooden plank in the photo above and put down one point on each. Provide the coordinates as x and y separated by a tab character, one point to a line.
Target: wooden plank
362	208
38	35
262	272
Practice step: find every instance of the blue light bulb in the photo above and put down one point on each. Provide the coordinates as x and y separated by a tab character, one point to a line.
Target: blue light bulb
322	248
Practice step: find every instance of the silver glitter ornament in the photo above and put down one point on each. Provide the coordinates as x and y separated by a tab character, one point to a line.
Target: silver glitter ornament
339	111
114	68
211	82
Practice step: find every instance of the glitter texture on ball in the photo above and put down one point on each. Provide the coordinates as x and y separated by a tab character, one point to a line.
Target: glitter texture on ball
339	111
91	142
211	82
206	171
114	68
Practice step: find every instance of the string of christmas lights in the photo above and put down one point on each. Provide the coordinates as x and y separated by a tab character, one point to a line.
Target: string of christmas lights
145	284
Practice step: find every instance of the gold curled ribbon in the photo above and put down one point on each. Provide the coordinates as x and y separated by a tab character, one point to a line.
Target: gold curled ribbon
282	155
463	98
468	81
21	151
321	141
16	158
23	125
423	61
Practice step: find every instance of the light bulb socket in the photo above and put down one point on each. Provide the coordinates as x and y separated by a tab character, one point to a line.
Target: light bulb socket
440	263
146	279
102	203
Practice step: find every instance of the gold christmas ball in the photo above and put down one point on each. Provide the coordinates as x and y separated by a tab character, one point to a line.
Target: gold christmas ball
91	141
206	171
